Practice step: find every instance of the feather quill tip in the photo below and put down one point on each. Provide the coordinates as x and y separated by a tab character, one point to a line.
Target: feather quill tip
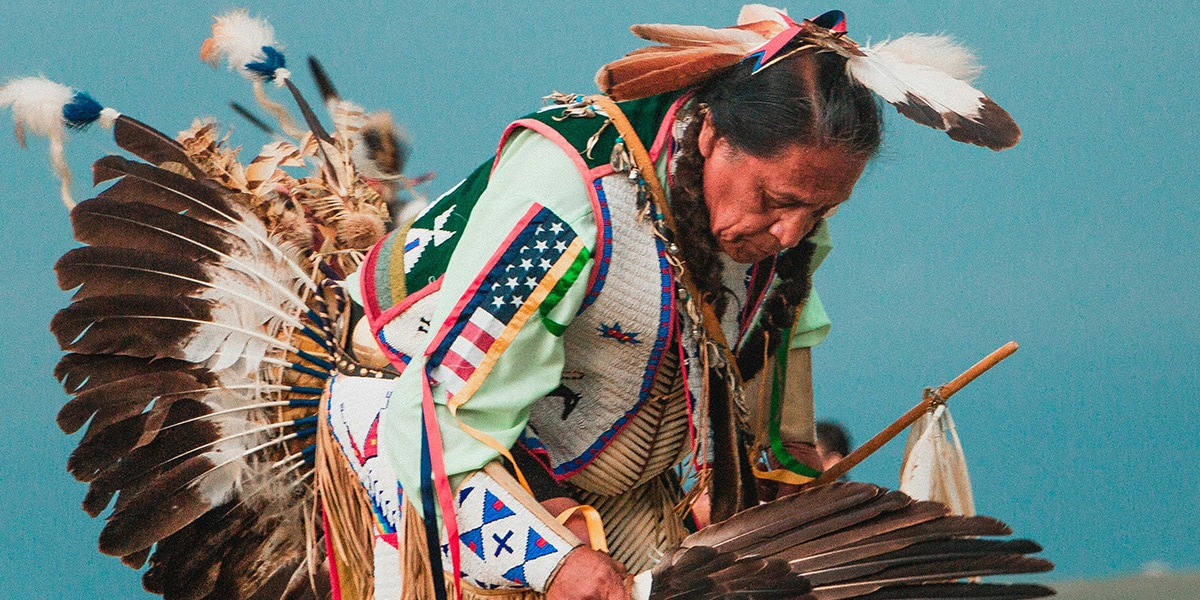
248	46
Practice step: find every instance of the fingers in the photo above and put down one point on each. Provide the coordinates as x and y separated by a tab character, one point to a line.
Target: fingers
588	575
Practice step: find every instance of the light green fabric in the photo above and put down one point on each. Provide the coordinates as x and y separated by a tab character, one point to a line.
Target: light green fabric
531	169
813	324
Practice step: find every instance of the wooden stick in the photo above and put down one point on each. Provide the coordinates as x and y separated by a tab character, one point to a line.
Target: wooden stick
939	395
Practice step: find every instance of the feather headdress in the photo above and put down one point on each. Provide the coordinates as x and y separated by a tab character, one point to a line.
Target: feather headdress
926	77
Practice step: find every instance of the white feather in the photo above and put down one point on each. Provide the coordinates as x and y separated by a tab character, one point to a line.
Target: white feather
939	52
239	39
37	105
895	80
934	467
753	13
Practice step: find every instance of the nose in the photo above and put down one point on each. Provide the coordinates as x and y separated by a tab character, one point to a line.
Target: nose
790	230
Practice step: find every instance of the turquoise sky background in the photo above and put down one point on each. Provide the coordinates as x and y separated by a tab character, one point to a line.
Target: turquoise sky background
1080	243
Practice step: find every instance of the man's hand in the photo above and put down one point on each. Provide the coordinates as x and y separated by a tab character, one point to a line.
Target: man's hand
589	575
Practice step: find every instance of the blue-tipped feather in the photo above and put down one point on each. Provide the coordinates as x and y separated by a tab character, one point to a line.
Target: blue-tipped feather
322	364
83	110
268	67
307	371
305	421
305	390
314	336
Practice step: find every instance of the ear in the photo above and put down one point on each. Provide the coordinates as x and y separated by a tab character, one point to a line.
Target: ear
708	136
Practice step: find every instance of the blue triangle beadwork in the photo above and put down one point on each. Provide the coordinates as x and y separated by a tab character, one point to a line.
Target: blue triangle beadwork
473	540
536	546
494	508
516	574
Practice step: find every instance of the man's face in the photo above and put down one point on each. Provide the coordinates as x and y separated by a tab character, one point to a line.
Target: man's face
759	206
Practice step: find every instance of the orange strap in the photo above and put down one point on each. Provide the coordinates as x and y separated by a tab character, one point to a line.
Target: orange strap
595	525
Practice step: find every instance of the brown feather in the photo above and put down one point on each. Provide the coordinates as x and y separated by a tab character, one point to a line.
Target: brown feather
951	526
321	78
310	117
133	325
300	587
105	222
917	513
691	69
654	59
940	571
768	520
254	120
102	271
98	450
808	558
961	591
853	518
150	144
186	565
82	372
923	553
995	128
162	508
136	560
273	585
174	192
256	559
699	35
141	464
125	398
